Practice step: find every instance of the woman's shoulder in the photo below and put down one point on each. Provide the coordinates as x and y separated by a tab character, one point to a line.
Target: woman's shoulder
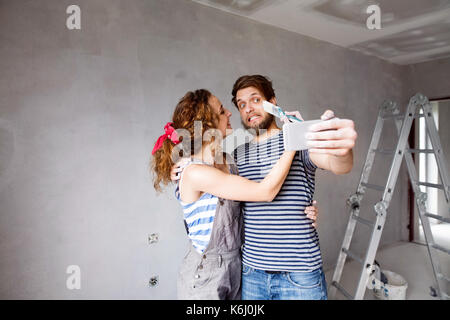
197	171
191	177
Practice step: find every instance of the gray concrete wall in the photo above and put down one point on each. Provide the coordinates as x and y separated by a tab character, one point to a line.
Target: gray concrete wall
430	78
80	111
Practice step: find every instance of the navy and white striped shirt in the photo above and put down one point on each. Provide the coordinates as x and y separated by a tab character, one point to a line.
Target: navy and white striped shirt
278	235
198	215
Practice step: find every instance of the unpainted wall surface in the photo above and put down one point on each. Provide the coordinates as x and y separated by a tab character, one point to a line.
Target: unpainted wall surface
80	111
430	78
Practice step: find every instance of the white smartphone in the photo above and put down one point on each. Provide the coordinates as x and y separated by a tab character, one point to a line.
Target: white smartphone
294	134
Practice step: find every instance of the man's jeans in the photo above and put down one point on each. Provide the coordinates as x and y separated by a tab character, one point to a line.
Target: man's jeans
263	285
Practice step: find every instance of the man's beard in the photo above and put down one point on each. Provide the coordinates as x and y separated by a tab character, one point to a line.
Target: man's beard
261	127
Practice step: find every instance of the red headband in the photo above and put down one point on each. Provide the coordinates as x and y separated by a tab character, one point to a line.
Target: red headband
169	132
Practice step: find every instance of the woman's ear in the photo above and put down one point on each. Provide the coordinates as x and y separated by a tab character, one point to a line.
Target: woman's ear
273	101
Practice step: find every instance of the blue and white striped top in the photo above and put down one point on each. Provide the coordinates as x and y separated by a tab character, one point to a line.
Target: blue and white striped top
278	235
198	215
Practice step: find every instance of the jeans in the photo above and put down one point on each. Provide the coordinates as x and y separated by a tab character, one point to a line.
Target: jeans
262	285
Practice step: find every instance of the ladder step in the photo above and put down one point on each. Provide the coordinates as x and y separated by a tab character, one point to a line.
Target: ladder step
342	290
432	185
400	116
363	221
384	151
352	255
435	216
372	186
393	116
421	150
438	247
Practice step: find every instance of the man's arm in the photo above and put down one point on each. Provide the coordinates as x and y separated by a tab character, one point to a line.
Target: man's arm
335	164
331	143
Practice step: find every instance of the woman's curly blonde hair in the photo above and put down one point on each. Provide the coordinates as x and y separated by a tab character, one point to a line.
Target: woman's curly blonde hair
194	106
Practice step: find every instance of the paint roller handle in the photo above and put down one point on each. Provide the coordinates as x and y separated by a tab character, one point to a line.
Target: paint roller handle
293	115
294	118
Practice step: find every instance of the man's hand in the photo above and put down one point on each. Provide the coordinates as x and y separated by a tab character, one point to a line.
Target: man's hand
333	136
176	168
312	212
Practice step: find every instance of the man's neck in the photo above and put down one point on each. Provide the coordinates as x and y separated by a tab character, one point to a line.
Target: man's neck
271	131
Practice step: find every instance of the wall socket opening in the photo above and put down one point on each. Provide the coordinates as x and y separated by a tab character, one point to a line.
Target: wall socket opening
153	238
153	282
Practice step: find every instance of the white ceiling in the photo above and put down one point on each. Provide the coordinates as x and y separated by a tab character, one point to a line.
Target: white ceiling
411	31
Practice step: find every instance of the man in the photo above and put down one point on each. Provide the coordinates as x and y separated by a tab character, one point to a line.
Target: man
281	255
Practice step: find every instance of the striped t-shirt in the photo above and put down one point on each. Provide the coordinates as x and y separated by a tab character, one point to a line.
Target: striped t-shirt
278	235
198	215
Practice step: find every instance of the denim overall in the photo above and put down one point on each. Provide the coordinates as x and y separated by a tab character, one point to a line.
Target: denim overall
216	274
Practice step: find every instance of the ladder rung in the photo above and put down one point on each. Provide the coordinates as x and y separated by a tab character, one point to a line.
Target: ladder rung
352	255
384	151
372	186
435	216
432	185
342	290
421	150
400	116
363	221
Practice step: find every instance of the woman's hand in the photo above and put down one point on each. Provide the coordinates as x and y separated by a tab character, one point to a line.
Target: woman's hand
312	212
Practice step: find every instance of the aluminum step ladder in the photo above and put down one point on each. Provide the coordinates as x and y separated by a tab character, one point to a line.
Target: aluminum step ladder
403	122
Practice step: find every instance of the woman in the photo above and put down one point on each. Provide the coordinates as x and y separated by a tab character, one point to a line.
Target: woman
209	191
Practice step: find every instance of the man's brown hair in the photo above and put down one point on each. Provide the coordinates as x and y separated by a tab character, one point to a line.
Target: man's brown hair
262	83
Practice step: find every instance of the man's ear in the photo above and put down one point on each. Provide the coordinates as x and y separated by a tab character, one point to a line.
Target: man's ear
273	101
